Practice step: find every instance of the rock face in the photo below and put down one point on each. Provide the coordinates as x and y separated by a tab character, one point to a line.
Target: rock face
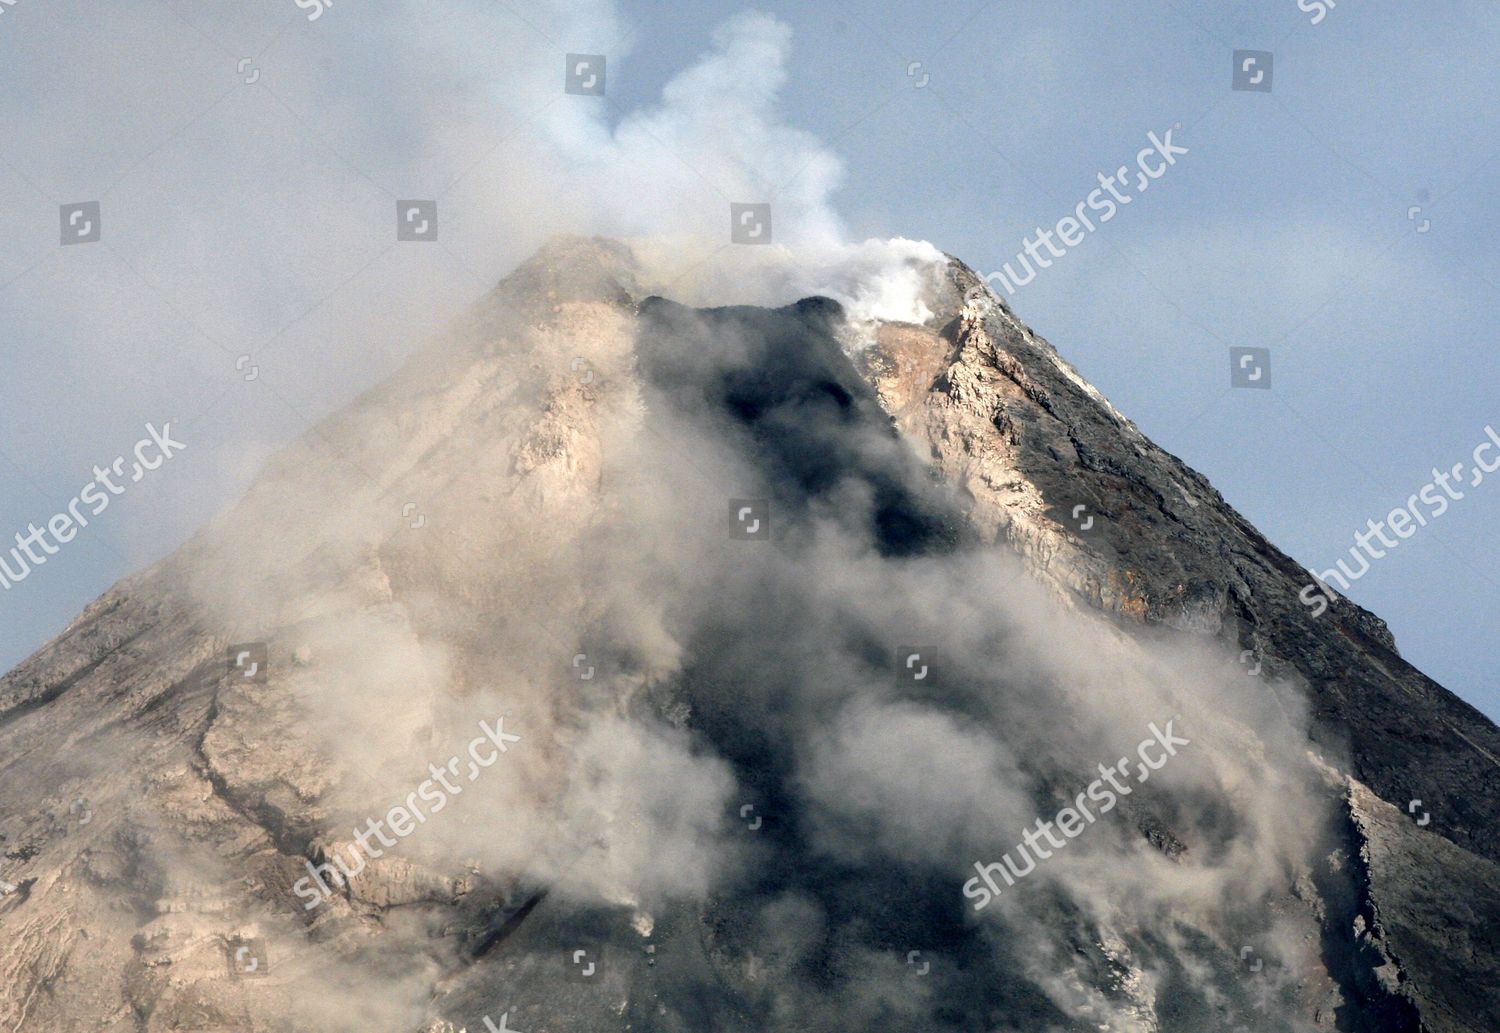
680	552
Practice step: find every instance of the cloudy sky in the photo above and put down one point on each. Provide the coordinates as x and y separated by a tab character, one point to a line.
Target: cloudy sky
248	158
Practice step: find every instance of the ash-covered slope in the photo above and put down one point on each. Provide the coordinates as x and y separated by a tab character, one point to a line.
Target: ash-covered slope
686	554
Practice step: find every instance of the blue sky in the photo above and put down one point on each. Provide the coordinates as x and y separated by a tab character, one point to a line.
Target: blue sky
252	218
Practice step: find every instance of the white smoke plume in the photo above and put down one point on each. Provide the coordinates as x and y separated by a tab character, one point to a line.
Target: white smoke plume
258	219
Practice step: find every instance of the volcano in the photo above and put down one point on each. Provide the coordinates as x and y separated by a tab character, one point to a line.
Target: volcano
623	664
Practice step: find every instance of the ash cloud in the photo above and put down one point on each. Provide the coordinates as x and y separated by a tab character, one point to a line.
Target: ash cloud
883	793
